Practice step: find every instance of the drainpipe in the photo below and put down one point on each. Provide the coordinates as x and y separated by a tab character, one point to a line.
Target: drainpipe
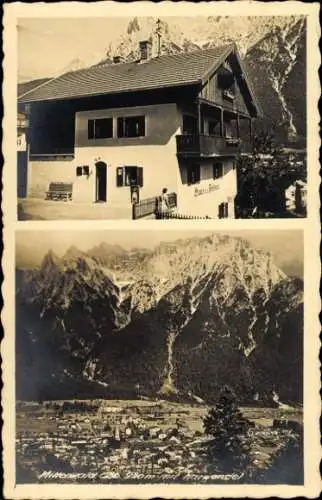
28	135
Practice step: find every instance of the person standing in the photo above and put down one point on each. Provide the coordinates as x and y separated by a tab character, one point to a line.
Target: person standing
163	204
164	200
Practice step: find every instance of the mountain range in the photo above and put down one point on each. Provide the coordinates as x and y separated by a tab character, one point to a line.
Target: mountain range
177	321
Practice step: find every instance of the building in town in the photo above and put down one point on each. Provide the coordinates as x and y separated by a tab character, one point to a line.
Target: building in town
296	197
22	140
174	121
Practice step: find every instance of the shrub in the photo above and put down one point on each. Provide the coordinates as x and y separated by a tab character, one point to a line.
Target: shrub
287	463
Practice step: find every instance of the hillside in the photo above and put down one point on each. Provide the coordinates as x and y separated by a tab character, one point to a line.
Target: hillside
183	318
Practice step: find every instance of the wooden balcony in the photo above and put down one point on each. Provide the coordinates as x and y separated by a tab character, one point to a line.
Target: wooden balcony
209	145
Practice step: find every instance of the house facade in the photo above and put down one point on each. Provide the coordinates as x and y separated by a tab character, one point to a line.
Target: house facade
176	121
22	138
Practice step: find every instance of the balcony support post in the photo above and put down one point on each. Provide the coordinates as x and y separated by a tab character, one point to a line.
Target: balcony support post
221	122
200	127
238	127
250	129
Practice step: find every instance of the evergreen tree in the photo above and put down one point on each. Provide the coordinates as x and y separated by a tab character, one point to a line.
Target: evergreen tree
230	449
261	183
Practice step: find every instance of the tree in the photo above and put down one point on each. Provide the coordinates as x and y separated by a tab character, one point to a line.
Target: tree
230	448
262	177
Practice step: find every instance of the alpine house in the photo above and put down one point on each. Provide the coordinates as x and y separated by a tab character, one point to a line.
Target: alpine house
174	121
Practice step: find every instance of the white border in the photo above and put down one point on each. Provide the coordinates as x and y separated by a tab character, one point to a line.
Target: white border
310	226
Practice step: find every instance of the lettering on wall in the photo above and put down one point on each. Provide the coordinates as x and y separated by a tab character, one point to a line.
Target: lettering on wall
206	190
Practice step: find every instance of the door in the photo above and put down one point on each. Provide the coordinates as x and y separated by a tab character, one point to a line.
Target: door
22	174
101	181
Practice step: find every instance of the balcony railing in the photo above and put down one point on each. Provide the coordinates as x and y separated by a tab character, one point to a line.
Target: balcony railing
209	145
57	154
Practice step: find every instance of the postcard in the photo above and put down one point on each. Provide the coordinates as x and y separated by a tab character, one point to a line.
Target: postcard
161	250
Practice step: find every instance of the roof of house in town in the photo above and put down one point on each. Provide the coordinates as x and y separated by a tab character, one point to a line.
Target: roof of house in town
25	87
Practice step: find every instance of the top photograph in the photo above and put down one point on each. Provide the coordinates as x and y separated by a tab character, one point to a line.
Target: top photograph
161	118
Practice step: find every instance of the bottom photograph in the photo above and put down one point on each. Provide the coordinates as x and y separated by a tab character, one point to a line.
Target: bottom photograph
159	356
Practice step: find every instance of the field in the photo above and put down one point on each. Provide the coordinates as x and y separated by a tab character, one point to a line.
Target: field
134	441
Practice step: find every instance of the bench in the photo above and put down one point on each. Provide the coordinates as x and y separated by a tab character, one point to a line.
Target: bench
59	191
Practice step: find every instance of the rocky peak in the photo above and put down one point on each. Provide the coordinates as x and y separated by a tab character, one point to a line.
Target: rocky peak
50	260
105	250
73	253
194	312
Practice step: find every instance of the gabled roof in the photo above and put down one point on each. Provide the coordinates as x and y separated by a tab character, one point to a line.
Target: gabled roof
25	87
182	69
159	72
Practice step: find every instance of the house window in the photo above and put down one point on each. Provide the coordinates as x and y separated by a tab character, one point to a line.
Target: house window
193	174
229	132
226	82
214	127
131	126
100	128
129	176
218	170
223	210
189	125
82	170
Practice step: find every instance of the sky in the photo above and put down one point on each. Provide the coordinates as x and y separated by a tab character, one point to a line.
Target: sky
47	46
286	247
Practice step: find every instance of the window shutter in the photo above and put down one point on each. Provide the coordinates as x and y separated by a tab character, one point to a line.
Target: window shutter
140	176
90	129
220	210
226	210
119	176
120	131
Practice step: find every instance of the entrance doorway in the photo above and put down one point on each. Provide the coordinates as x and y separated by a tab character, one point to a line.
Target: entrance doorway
101	181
